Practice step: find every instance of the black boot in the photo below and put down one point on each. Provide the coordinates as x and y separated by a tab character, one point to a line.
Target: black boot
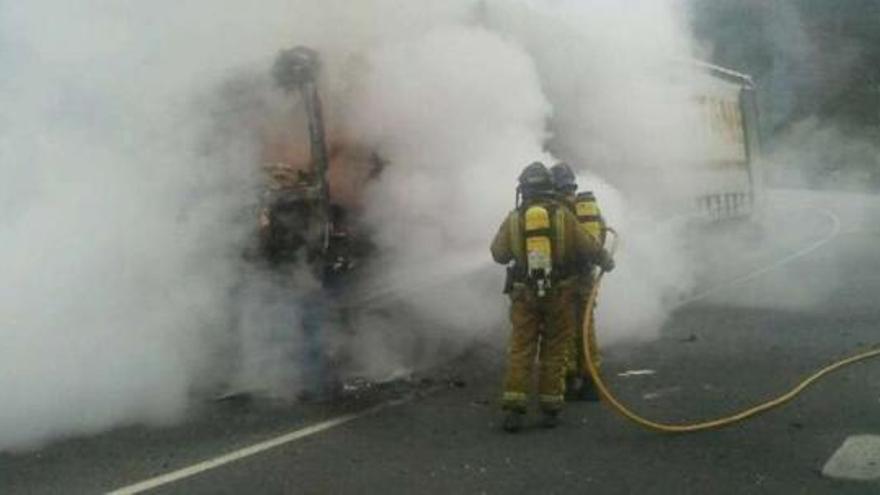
550	420
513	421
589	392
573	387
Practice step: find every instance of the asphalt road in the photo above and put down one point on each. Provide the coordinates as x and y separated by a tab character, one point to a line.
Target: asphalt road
743	342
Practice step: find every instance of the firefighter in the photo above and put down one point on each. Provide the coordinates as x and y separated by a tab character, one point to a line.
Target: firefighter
542	243
579	385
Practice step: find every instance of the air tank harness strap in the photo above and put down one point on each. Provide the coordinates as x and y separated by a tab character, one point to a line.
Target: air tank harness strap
589	218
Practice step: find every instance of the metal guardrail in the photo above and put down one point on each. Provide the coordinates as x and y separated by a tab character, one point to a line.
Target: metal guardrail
723	206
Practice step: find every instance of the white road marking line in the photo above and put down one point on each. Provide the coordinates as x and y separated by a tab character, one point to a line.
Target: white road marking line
858	458
629	373
835	231
661	393
252	450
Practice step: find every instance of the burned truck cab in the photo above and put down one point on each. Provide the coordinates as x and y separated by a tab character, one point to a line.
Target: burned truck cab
293	229
295	214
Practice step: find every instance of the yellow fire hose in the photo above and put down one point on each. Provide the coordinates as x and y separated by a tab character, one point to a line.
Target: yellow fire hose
610	399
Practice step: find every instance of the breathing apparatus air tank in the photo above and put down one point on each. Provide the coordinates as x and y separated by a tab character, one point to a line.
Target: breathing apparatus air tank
589	217
539	247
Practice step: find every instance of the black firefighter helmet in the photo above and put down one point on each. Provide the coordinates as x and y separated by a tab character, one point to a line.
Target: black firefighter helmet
535	180
563	178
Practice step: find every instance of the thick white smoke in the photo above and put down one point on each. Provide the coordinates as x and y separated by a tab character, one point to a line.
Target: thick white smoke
433	107
623	114
117	241
126	178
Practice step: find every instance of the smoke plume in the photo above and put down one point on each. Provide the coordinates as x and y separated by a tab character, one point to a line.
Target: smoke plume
132	149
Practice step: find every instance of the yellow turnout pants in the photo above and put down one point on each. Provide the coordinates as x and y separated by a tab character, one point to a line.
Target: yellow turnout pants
576	363
542	328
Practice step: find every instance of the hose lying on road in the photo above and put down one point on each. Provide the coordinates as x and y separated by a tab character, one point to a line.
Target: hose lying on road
615	404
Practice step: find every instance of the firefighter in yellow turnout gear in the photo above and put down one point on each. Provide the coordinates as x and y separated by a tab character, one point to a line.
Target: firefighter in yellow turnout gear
579	384
542	240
